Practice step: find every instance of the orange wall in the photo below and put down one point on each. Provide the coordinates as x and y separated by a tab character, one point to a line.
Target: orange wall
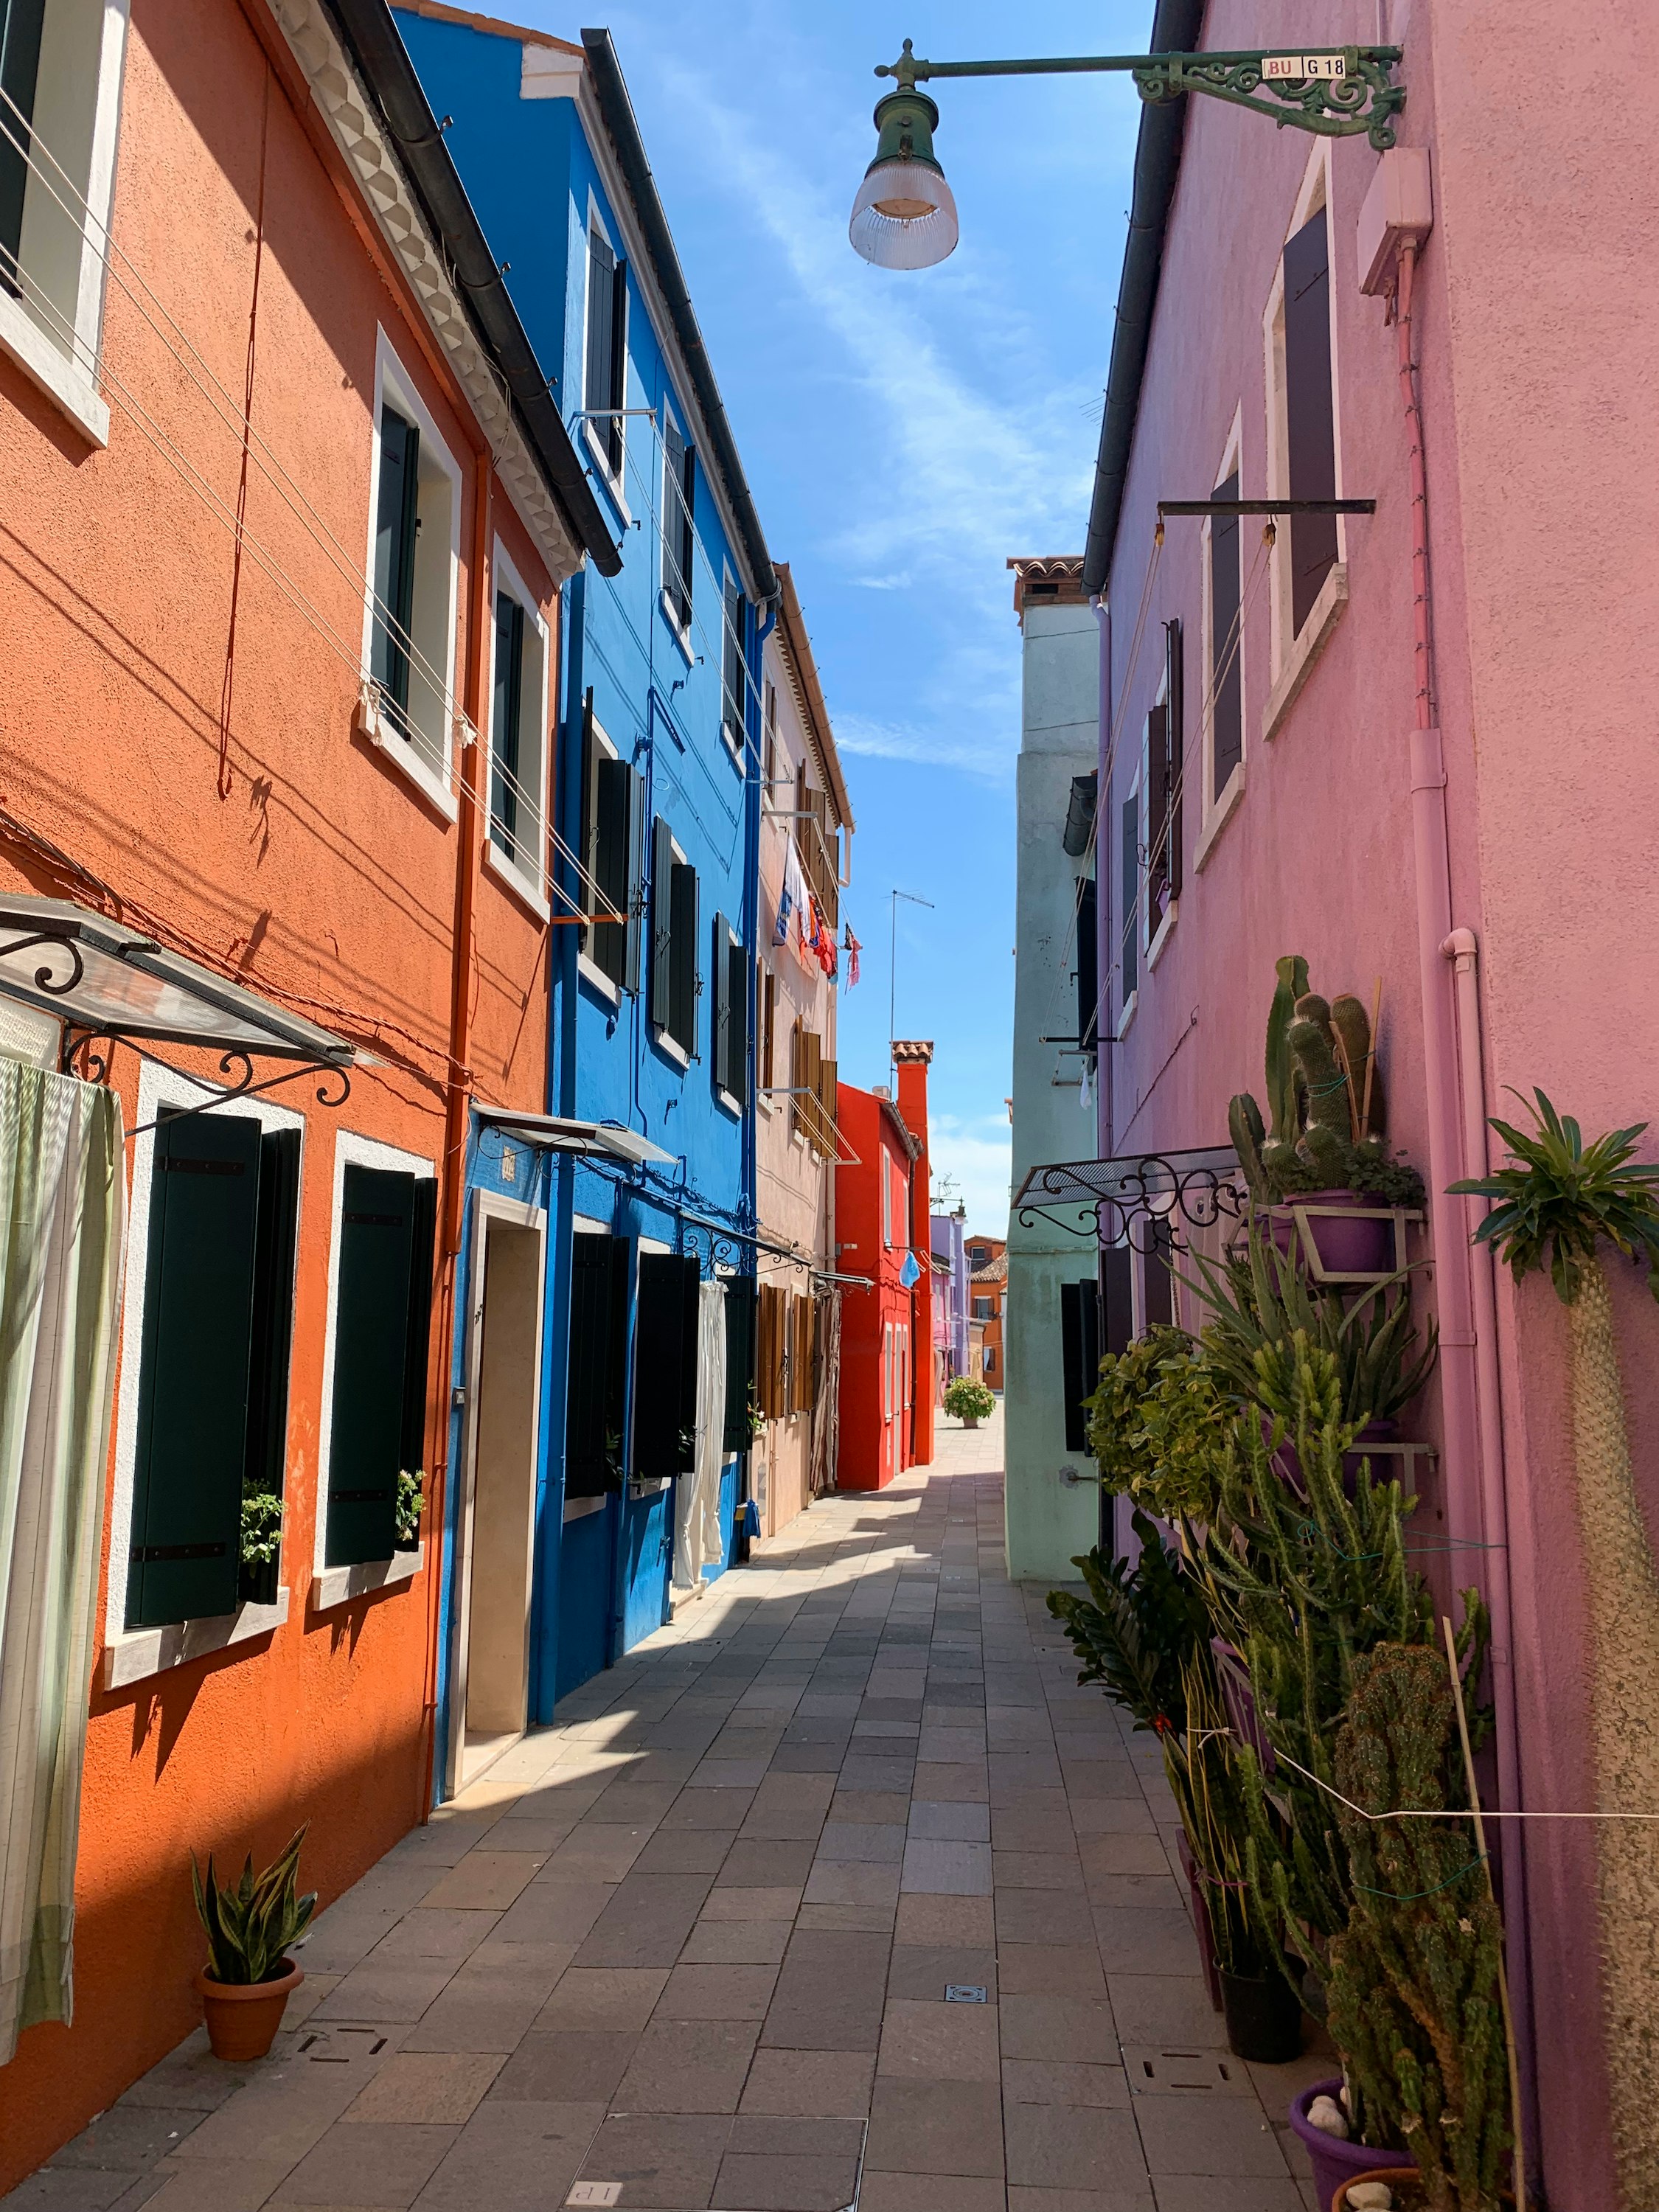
311	870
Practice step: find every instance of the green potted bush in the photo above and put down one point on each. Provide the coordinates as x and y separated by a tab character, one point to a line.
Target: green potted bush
406	1534
249	1977
261	1547
968	1402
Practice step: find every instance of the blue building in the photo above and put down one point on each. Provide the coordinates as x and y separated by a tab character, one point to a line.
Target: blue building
641	1171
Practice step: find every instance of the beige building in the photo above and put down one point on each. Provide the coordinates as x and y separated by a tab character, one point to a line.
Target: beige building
805	824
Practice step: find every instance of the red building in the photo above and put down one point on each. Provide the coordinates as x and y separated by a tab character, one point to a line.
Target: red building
881	1215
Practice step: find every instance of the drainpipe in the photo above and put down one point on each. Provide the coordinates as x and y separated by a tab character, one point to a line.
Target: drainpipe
461	1075
1470	1411
1104	907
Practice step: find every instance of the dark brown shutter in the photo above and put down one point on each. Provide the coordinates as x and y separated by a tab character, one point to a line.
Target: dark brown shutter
1175	748
423	1235
1088	967
1117	1310
1079	1349
719	1005
662	926
1226	666
508	714
1158	810
665	1365
1129	920
394	561
740	1361
1157	1286
634	875
1310	420
598	1364
372	1327
737	1031
676	581
683	958
614	782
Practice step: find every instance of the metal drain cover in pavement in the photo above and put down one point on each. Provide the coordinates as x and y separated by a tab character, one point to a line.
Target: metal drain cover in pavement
1167	2071
596	2192
963	1993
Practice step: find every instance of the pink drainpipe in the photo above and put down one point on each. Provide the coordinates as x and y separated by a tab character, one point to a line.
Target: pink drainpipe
1105	849
1471	1406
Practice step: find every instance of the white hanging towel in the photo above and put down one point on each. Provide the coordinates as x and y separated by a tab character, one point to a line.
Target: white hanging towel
698	1539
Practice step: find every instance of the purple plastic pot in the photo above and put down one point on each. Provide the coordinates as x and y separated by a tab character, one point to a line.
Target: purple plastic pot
1287	1465
1362	1247
1334	2161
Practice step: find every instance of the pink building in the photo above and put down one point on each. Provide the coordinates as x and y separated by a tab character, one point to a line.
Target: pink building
1438	772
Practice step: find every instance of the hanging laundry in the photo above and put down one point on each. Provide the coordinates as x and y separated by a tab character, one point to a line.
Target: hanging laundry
1086	1090
791	902
854	948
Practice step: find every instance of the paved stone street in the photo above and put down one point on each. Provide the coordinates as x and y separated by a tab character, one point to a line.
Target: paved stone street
837	1892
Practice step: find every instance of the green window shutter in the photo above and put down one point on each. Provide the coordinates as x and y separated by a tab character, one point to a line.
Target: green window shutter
21	22
683	957
394	560
675	581
266	1455
194	1361
422	1240
611	863
1309	418
594	1396
719	1023
662	926
665	1365
504	724
601	310
371	1362
740	1361
737	1022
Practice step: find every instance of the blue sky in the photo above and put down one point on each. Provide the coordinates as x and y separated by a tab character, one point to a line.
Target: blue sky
903	435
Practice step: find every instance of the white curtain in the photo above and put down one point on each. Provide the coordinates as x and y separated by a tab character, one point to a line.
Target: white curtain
62	1217
698	1536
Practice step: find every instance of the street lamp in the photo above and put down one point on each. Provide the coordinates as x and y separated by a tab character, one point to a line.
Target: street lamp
904	216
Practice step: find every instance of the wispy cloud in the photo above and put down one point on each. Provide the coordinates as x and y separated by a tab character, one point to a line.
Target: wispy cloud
977	1155
878	740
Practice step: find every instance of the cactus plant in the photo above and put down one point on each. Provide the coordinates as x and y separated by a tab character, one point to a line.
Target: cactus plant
1415	2007
1350	1024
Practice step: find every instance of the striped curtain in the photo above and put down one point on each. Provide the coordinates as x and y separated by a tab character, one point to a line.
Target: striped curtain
62	1218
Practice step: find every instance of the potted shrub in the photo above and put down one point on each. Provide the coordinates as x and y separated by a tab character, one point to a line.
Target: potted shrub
406	1537
262	1547
968	1402
1558	1198
249	1977
1323	1147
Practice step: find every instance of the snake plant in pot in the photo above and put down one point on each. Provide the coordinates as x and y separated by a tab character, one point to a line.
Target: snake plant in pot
1559	1200
249	1977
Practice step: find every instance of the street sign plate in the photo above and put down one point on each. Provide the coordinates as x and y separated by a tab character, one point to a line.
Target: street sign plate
1282	69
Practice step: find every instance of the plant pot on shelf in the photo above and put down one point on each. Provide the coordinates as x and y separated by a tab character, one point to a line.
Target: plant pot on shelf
243	2017
1360	1247
1336	2163
1288	1466
1263	2017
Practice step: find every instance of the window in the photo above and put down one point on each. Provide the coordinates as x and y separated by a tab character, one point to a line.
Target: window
734	665
596	1393
819	840
1309	426
886	1200
382	1329
772	1335
978	1255
218	1311
984	1309
1079	1357
990	1360
664	1366
60	74
1164	785
411	626
1226	644
674	980
613	844
679	479
605	392
729	1023
1129	924
518	719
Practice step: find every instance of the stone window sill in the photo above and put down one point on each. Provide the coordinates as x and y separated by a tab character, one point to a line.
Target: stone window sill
332	1586
138	1653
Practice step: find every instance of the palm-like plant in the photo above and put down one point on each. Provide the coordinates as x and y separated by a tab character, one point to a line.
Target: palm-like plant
251	1929
1556	1201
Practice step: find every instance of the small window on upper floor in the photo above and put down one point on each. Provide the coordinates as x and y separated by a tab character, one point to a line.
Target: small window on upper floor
1305	427
734	666
613	860
679	484
675	981
728	968
518	724
606	388
416	543
60	83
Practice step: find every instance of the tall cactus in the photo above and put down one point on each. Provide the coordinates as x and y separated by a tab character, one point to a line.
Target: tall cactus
1327	1142
1352	1027
1415	2005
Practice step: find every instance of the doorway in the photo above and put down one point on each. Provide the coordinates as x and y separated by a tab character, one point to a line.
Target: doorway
489	1682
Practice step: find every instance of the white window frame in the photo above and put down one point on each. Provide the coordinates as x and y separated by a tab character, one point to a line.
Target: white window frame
130	1655
615	482
334	1586
1291	660
1220	805
68	373
393	381
527	886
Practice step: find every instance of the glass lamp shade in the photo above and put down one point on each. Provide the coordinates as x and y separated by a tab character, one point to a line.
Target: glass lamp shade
904	216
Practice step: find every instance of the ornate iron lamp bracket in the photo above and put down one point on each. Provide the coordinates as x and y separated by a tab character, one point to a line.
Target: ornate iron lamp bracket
1338	91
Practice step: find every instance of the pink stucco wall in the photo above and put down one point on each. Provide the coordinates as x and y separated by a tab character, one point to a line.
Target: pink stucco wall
1539	342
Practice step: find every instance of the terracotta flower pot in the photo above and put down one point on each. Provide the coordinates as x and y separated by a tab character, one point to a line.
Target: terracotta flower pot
243	2017
1394	2176
970	1420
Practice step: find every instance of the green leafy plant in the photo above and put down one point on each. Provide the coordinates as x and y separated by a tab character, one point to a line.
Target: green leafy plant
261	1528
1261	1300
1155	1423
1557	1199
251	1929
757	1419
1415	2004
966	1399
407	1510
1137	1628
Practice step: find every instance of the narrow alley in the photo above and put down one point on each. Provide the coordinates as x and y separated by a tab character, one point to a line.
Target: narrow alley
762	1923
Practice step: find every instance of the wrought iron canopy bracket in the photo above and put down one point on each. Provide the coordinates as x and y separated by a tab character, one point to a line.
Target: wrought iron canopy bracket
86	1053
1338	91
1117	1202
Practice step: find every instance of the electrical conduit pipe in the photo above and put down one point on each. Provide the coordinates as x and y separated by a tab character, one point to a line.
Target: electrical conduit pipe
1470	1413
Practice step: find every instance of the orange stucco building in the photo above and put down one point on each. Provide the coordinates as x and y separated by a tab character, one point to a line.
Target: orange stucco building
987	1288
203	739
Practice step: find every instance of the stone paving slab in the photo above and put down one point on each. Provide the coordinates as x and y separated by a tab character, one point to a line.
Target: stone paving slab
690	1947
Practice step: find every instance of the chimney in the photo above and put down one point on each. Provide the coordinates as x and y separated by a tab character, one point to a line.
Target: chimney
913	1058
